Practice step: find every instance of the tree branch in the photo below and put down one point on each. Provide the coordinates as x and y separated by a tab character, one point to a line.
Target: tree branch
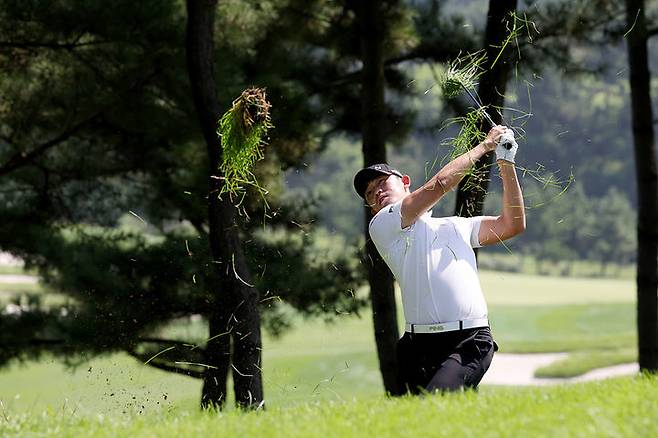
166	341
22	158
165	366
424	52
48	45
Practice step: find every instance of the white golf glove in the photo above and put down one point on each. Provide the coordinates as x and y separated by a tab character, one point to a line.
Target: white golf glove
506	146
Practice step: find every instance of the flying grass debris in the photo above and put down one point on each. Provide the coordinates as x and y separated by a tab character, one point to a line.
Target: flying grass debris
242	130
462	73
469	132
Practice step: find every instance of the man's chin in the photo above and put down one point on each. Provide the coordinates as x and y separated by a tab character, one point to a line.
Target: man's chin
386	202
383	205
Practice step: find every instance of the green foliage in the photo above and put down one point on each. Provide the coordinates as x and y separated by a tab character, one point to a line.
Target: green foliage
613	234
569	225
104	103
526	263
311	267
120	288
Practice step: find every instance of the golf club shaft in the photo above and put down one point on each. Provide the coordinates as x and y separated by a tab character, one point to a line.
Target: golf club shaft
479	105
486	115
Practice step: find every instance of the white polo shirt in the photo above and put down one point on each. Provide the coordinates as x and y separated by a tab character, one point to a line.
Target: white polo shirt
434	263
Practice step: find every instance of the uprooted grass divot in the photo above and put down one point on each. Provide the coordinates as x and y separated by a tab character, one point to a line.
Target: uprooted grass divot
242	131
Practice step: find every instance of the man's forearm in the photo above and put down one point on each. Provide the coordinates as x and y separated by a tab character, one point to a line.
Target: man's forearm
450	174
513	213
425	197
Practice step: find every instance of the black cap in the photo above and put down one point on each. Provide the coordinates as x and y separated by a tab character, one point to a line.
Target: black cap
365	175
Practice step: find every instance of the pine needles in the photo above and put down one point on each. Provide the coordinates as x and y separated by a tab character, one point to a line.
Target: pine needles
242	130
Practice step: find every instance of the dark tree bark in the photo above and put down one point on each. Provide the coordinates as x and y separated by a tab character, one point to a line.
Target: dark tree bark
472	189
372	34
647	187
234	305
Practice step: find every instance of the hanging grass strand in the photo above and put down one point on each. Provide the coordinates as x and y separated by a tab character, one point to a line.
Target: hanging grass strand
242	130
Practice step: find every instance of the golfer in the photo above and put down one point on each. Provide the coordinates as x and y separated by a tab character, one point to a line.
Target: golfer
447	344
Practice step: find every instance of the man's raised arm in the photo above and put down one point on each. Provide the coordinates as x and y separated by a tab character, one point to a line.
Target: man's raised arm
422	199
512	218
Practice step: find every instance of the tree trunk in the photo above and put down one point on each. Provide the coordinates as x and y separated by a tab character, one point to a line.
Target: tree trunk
234	305
473	188
647	188
218	355
372	34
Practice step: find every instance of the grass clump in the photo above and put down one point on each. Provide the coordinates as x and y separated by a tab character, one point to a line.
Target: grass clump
242	130
462	73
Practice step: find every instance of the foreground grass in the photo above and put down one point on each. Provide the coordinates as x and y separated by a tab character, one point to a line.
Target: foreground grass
619	407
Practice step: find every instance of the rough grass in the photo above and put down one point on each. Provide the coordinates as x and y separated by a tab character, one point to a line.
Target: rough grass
616	408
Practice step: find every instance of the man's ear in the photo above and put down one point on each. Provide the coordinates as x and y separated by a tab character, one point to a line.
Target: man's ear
406	181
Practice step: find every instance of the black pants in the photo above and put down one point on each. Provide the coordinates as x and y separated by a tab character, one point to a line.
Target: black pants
444	361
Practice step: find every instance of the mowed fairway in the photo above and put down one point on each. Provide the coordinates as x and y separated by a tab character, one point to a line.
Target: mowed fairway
543	314
316	361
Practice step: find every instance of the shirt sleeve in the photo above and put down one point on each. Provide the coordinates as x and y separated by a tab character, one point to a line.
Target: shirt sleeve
385	228
475	231
469	228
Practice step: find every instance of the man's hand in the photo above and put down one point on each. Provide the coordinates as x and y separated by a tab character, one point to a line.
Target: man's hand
506	148
420	200
493	137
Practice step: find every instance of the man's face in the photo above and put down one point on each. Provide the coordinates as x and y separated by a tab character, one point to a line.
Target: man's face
385	190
